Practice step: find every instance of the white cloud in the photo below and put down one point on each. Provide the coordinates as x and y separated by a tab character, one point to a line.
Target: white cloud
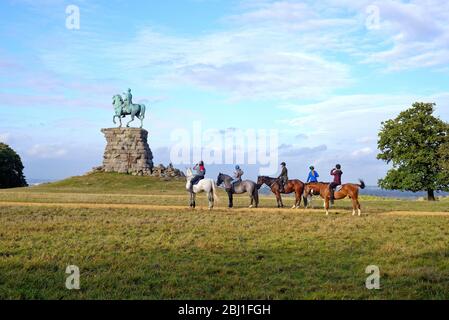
351	119
46	151
362	152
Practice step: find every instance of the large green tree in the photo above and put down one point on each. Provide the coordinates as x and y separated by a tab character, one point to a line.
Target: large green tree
414	143
11	168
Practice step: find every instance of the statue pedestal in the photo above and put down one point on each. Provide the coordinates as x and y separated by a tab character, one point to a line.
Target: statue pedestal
127	151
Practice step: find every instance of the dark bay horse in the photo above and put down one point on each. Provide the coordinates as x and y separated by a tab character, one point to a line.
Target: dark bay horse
296	186
241	187
350	190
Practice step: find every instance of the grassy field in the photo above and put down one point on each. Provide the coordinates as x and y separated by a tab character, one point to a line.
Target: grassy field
135	238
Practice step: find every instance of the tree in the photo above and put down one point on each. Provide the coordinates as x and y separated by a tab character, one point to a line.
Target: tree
11	168
414	143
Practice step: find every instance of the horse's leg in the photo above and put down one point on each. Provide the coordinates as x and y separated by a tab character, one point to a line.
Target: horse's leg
132	119
276	194
256	197
210	197
296	201
354	206
279	199
359	207
298	194
230	203
326	205
251	196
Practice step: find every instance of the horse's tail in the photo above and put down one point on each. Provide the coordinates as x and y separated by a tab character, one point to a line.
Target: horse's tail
362	184
214	190
304	197
142	110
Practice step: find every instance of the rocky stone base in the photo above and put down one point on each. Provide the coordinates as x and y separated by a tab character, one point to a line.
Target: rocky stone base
127	151
167	172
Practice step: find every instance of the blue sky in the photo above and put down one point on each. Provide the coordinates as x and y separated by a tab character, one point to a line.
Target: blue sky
325	74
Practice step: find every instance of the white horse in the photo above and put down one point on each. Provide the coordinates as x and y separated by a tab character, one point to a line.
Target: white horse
207	185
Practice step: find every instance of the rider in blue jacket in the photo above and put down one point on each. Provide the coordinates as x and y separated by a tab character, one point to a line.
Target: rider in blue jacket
313	175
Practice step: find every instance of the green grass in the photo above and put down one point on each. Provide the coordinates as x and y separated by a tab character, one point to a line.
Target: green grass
265	253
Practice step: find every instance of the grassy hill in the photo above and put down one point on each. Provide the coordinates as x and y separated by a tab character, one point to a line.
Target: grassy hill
111	183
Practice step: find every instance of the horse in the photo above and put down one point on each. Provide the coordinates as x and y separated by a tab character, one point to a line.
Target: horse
207	185
350	190
241	187
295	185
135	110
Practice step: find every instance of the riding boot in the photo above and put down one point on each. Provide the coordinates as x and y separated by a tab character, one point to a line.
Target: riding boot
281	189
332	196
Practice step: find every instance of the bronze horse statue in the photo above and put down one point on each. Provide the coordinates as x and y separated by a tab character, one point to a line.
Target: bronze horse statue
350	190
295	185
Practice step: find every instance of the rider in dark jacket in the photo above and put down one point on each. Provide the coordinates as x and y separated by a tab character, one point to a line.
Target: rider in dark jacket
283	177
337	173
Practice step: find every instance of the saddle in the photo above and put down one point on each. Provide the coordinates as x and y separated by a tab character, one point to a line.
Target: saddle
234	185
338	188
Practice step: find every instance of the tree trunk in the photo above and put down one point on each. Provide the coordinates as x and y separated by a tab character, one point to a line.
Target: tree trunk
430	195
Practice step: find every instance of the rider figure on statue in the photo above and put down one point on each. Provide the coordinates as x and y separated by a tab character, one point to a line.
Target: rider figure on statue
283	177
128	101
200	173
337	173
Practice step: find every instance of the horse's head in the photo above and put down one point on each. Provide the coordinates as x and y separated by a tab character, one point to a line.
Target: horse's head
189	174
220	179
260	181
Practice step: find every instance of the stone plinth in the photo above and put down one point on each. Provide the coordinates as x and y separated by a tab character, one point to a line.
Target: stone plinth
127	151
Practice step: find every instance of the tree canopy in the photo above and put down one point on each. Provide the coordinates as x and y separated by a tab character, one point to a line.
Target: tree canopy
416	144
11	168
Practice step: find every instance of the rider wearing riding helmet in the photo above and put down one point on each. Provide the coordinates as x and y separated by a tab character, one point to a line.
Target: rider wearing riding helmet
200	173
238	173
313	175
283	177
337	173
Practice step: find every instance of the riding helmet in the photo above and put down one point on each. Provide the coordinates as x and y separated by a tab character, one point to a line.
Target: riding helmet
312	168
237	167
338	166
283	164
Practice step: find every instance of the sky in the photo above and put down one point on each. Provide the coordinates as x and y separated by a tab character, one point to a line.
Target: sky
322	74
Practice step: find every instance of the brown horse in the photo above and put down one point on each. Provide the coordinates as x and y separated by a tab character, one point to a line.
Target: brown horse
350	190
295	185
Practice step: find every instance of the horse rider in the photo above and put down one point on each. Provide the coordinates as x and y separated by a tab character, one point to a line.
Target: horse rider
200	173
238	173
128	100
313	175
283	177
337	173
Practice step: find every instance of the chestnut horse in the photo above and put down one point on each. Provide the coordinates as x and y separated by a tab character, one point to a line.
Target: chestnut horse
350	190
295	185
